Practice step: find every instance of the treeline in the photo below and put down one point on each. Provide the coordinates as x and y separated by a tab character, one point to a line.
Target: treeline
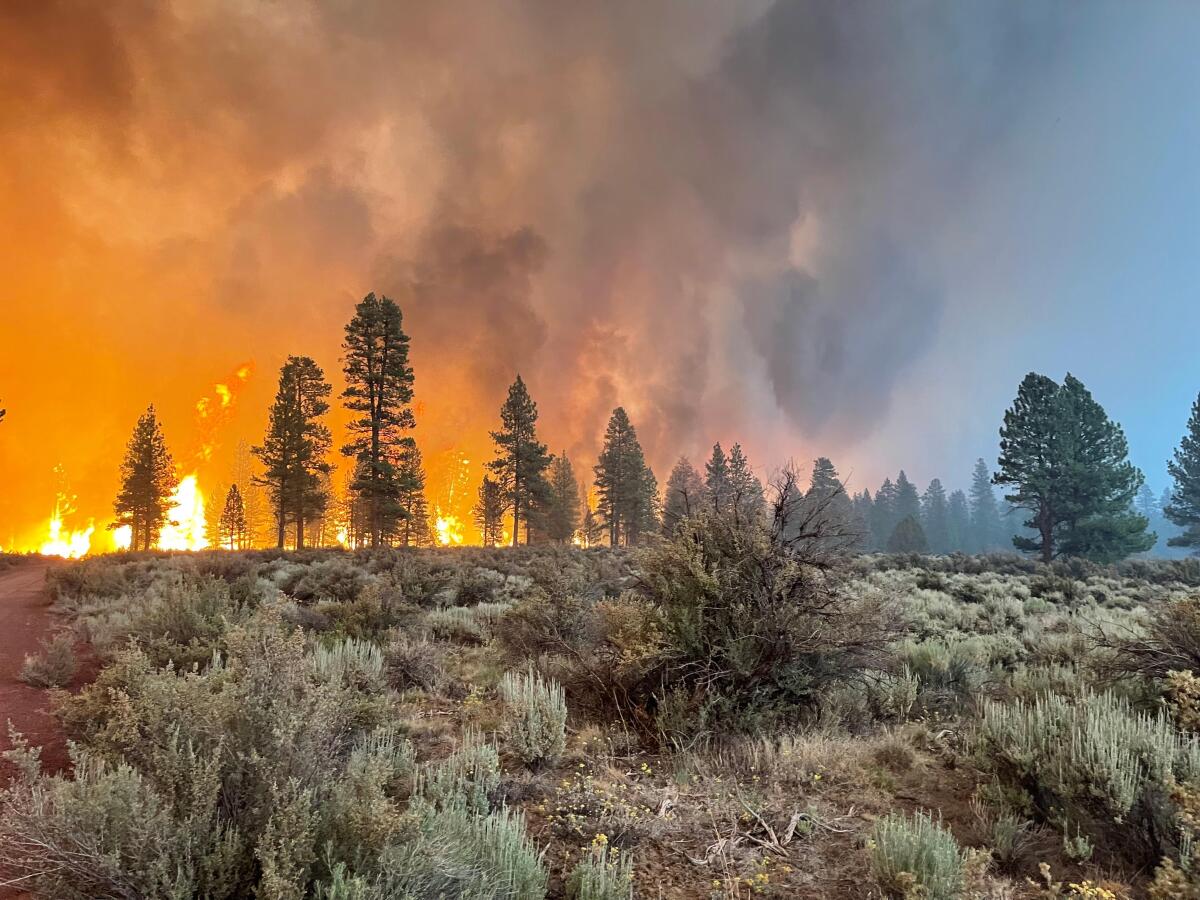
1071	488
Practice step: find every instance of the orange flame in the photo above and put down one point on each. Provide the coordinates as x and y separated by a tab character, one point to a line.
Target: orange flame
186	528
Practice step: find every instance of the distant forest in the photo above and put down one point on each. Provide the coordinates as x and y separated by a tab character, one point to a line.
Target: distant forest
1068	486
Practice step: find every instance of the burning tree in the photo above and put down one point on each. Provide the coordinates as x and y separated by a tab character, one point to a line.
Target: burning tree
379	384
147	480
293	452
520	460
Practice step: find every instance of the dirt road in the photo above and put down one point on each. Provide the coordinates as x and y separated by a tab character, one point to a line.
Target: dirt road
25	619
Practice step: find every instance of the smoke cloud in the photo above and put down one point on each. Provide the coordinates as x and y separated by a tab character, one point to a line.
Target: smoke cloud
714	214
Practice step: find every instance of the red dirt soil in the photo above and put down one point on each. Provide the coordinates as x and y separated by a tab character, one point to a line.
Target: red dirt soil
26	619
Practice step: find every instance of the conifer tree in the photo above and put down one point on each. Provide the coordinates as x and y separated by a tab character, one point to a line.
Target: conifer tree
232	528
826	504
1068	464
683	496
592	529
294	449
908	537
717	484
147	481
883	514
625	487
986	531
561	518
488	512
935	518
521	461
408	471
864	515
379	389
1183	509
645	518
958	520
745	490
907	501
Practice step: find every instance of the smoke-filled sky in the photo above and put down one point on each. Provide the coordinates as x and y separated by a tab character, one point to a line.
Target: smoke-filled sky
841	228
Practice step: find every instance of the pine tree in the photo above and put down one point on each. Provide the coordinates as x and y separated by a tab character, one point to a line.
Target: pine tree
625	486
488	513
717	486
408	474
827	505
864	514
592	529
294	449
1069	466
645	516
908	537
379	389
935	518
520	461
986	530
232	528
908	501
147	482
746	491
561	518
683	496
883	514
958	520
1184	507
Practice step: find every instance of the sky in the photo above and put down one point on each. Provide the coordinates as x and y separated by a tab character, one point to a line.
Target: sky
818	229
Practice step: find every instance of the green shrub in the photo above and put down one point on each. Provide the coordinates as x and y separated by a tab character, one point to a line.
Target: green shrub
917	854
54	666
351	661
467	777
535	717
604	873
1093	764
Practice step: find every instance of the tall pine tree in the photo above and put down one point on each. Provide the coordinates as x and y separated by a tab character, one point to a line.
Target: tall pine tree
379	389
717	484
294	449
935	518
147	482
746	491
625	486
231	530
883	514
986	533
958	520
521	461
488	512
408	472
562	517
908	500
1069	467
683	496
1183	509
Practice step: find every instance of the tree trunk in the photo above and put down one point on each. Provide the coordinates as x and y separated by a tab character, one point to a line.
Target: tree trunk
281	521
299	531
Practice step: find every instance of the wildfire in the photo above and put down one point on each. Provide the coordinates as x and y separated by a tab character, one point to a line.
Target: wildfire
213	409
186	528
449	530
69	544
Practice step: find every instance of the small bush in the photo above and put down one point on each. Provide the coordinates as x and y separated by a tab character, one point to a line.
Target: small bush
917	854
604	873
1094	765
413	663
54	667
535	717
353	662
